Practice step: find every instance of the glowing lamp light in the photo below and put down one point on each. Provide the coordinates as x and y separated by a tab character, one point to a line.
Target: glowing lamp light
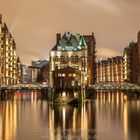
64	94
85	77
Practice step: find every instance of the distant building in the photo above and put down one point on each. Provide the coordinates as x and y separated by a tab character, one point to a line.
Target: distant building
72	61
44	76
9	67
19	71
110	70
131	56
39	63
38	71
35	74
26	74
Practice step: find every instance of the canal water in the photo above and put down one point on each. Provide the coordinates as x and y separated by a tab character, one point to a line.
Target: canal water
111	116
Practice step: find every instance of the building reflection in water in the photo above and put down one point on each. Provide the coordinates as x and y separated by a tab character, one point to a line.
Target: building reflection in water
119	113
113	115
72	122
8	122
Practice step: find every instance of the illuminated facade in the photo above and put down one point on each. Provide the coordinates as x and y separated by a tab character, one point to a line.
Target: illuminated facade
26	74
35	74
19	71
40	71
45	74
72	61
110	70
131	56
121	69
9	73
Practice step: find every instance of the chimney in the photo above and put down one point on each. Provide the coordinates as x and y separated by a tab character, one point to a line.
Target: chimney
0	19
138	37
58	37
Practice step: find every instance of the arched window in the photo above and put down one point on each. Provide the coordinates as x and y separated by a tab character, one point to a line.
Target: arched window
62	58
67	58
56	58
76	58
71	58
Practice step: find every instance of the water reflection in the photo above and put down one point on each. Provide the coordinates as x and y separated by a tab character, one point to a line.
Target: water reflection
113	115
8	120
119	113
74	122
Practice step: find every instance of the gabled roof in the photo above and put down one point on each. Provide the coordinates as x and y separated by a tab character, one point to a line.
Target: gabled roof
54	48
132	45
18	60
5	27
70	40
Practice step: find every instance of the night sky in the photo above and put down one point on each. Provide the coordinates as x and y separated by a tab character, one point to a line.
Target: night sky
34	24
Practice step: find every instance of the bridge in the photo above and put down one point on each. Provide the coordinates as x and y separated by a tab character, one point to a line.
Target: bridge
24	87
67	96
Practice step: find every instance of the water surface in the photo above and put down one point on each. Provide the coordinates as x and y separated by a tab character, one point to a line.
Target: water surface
112	116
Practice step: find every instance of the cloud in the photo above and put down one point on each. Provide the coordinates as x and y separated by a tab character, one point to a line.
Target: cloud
34	23
107	53
107	5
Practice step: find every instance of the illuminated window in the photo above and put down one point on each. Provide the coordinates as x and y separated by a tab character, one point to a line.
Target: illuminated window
74	75
73	83
63	75
76	58
70	75
62	58
7	42
72	58
56	58
83	63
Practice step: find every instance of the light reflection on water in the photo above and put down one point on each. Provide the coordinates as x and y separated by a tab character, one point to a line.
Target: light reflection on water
112	116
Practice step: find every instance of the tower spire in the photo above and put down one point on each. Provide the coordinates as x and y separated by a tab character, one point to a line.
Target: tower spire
82	42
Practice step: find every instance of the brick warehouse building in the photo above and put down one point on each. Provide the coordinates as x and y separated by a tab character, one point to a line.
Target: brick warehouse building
73	53
110	70
10	66
125	68
131	57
